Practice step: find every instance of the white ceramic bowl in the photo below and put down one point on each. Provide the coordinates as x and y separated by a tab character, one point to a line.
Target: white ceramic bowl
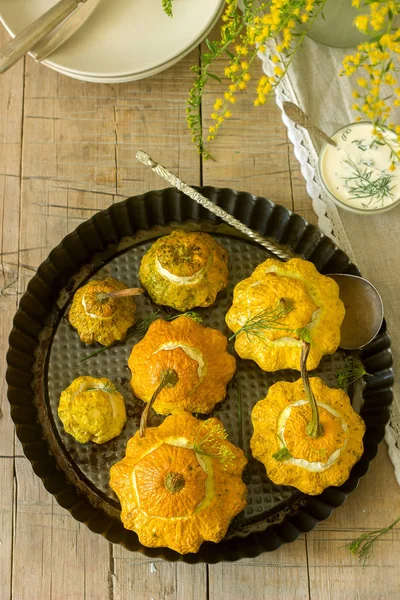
123	40
326	149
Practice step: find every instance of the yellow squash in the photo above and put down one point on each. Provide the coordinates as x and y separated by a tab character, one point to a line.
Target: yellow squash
198	357
181	484
92	410
99	318
184	270
290	455
278	305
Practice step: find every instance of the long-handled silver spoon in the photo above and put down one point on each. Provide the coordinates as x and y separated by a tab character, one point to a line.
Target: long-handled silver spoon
364	308
299	117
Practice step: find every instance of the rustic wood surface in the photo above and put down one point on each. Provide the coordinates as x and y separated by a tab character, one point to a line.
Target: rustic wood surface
66	151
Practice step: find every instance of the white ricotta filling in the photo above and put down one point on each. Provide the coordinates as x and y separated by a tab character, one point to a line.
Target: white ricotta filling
189	351
183	280
316	467
93	315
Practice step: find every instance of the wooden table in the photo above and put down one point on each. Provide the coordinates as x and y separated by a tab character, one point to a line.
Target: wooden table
66	151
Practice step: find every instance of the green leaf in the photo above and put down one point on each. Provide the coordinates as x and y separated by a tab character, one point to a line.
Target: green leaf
211	46
282	455
214	77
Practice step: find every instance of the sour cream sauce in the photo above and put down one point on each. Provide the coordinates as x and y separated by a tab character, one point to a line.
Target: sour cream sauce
356	171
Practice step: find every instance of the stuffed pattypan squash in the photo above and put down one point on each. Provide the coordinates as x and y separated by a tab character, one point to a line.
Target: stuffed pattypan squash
92	410
181	484
184	364
279	305
284	443
103	310
184	270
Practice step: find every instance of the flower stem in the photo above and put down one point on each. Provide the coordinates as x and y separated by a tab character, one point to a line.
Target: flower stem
314	428
169	378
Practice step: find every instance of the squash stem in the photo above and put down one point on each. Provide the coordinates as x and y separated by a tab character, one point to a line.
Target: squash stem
174	482
169	377
314	429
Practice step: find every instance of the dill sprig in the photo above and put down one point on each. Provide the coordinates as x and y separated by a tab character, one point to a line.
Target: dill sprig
167	6
108	387
211	443
271	319
352	370
283	453
362	546
361	185
142	326
363	145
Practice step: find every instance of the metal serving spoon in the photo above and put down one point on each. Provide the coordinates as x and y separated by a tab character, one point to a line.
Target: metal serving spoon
299	117
364	307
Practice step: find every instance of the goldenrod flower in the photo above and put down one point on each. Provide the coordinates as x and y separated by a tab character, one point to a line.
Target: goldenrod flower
244	34
361	22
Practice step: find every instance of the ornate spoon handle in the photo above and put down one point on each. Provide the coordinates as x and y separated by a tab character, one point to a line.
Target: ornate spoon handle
172	179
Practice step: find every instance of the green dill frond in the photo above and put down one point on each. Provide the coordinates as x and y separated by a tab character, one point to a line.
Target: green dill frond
362	546
267	320
109	387
210	443
167	6
362	186
352	370
142	325
282	454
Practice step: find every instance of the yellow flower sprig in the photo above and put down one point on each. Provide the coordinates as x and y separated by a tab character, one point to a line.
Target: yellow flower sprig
243	35
233	24
375	62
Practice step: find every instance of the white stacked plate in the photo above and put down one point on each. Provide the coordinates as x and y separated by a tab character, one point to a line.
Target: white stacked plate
123	40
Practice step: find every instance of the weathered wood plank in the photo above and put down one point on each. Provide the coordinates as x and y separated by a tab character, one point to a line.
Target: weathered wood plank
143	578
11	106
335	574
84	136
6	525
55	557
281	574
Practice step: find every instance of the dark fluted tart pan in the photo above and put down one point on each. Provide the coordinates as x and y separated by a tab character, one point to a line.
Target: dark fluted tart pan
45	354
